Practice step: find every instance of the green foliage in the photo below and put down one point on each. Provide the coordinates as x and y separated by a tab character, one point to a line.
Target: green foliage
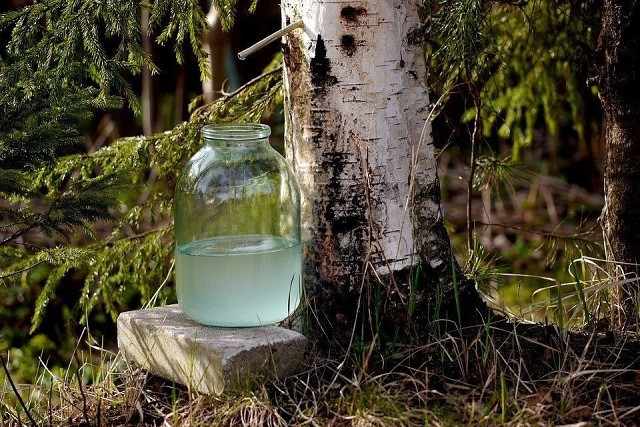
134	260
529	60
226	10
538	74
192	21
64	61
96	43
481	265
34	132
20	360
456	37
493	173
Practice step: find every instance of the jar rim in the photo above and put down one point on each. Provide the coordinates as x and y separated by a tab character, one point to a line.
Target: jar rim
236	131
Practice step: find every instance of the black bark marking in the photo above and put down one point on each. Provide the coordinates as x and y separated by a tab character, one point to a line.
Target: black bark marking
348	44
321	76
287	56
352	14
341	231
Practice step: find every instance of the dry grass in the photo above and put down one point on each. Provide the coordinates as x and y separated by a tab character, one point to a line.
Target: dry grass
492	376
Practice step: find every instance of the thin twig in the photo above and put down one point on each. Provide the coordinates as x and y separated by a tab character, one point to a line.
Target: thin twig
550	235
238	91
50	404
22	270
85	412
251	83
15	391
472	163
18	233
141	235
99	412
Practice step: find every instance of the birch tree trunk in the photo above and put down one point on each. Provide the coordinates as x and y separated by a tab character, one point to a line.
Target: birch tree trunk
358	136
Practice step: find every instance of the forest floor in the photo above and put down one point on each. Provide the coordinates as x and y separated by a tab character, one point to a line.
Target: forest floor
490	375
568	369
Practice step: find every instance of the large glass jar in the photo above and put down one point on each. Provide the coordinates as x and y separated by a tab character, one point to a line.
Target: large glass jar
237	228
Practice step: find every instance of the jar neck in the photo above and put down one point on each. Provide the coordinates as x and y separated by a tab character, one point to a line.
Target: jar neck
238	135
249	144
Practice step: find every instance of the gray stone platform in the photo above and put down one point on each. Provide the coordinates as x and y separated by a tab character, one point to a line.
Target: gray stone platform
166	342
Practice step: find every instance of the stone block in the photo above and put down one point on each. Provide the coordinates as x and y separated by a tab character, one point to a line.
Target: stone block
166	342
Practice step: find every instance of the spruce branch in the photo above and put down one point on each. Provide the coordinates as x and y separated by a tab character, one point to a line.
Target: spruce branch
138	259
64	61
57	37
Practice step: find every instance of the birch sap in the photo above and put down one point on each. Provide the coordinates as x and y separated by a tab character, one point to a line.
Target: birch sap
246	280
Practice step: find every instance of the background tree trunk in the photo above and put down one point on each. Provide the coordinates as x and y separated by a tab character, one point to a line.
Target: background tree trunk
618	57
214	42
358	135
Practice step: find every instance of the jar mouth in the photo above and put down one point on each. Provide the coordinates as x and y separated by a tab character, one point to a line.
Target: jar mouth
236	131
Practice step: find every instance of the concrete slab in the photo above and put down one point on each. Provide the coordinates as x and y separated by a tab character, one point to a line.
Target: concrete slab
166	342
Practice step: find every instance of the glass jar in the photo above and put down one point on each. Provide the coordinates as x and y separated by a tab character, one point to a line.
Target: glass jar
237	229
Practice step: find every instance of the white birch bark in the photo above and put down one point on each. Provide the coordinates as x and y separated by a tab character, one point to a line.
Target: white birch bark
358	138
